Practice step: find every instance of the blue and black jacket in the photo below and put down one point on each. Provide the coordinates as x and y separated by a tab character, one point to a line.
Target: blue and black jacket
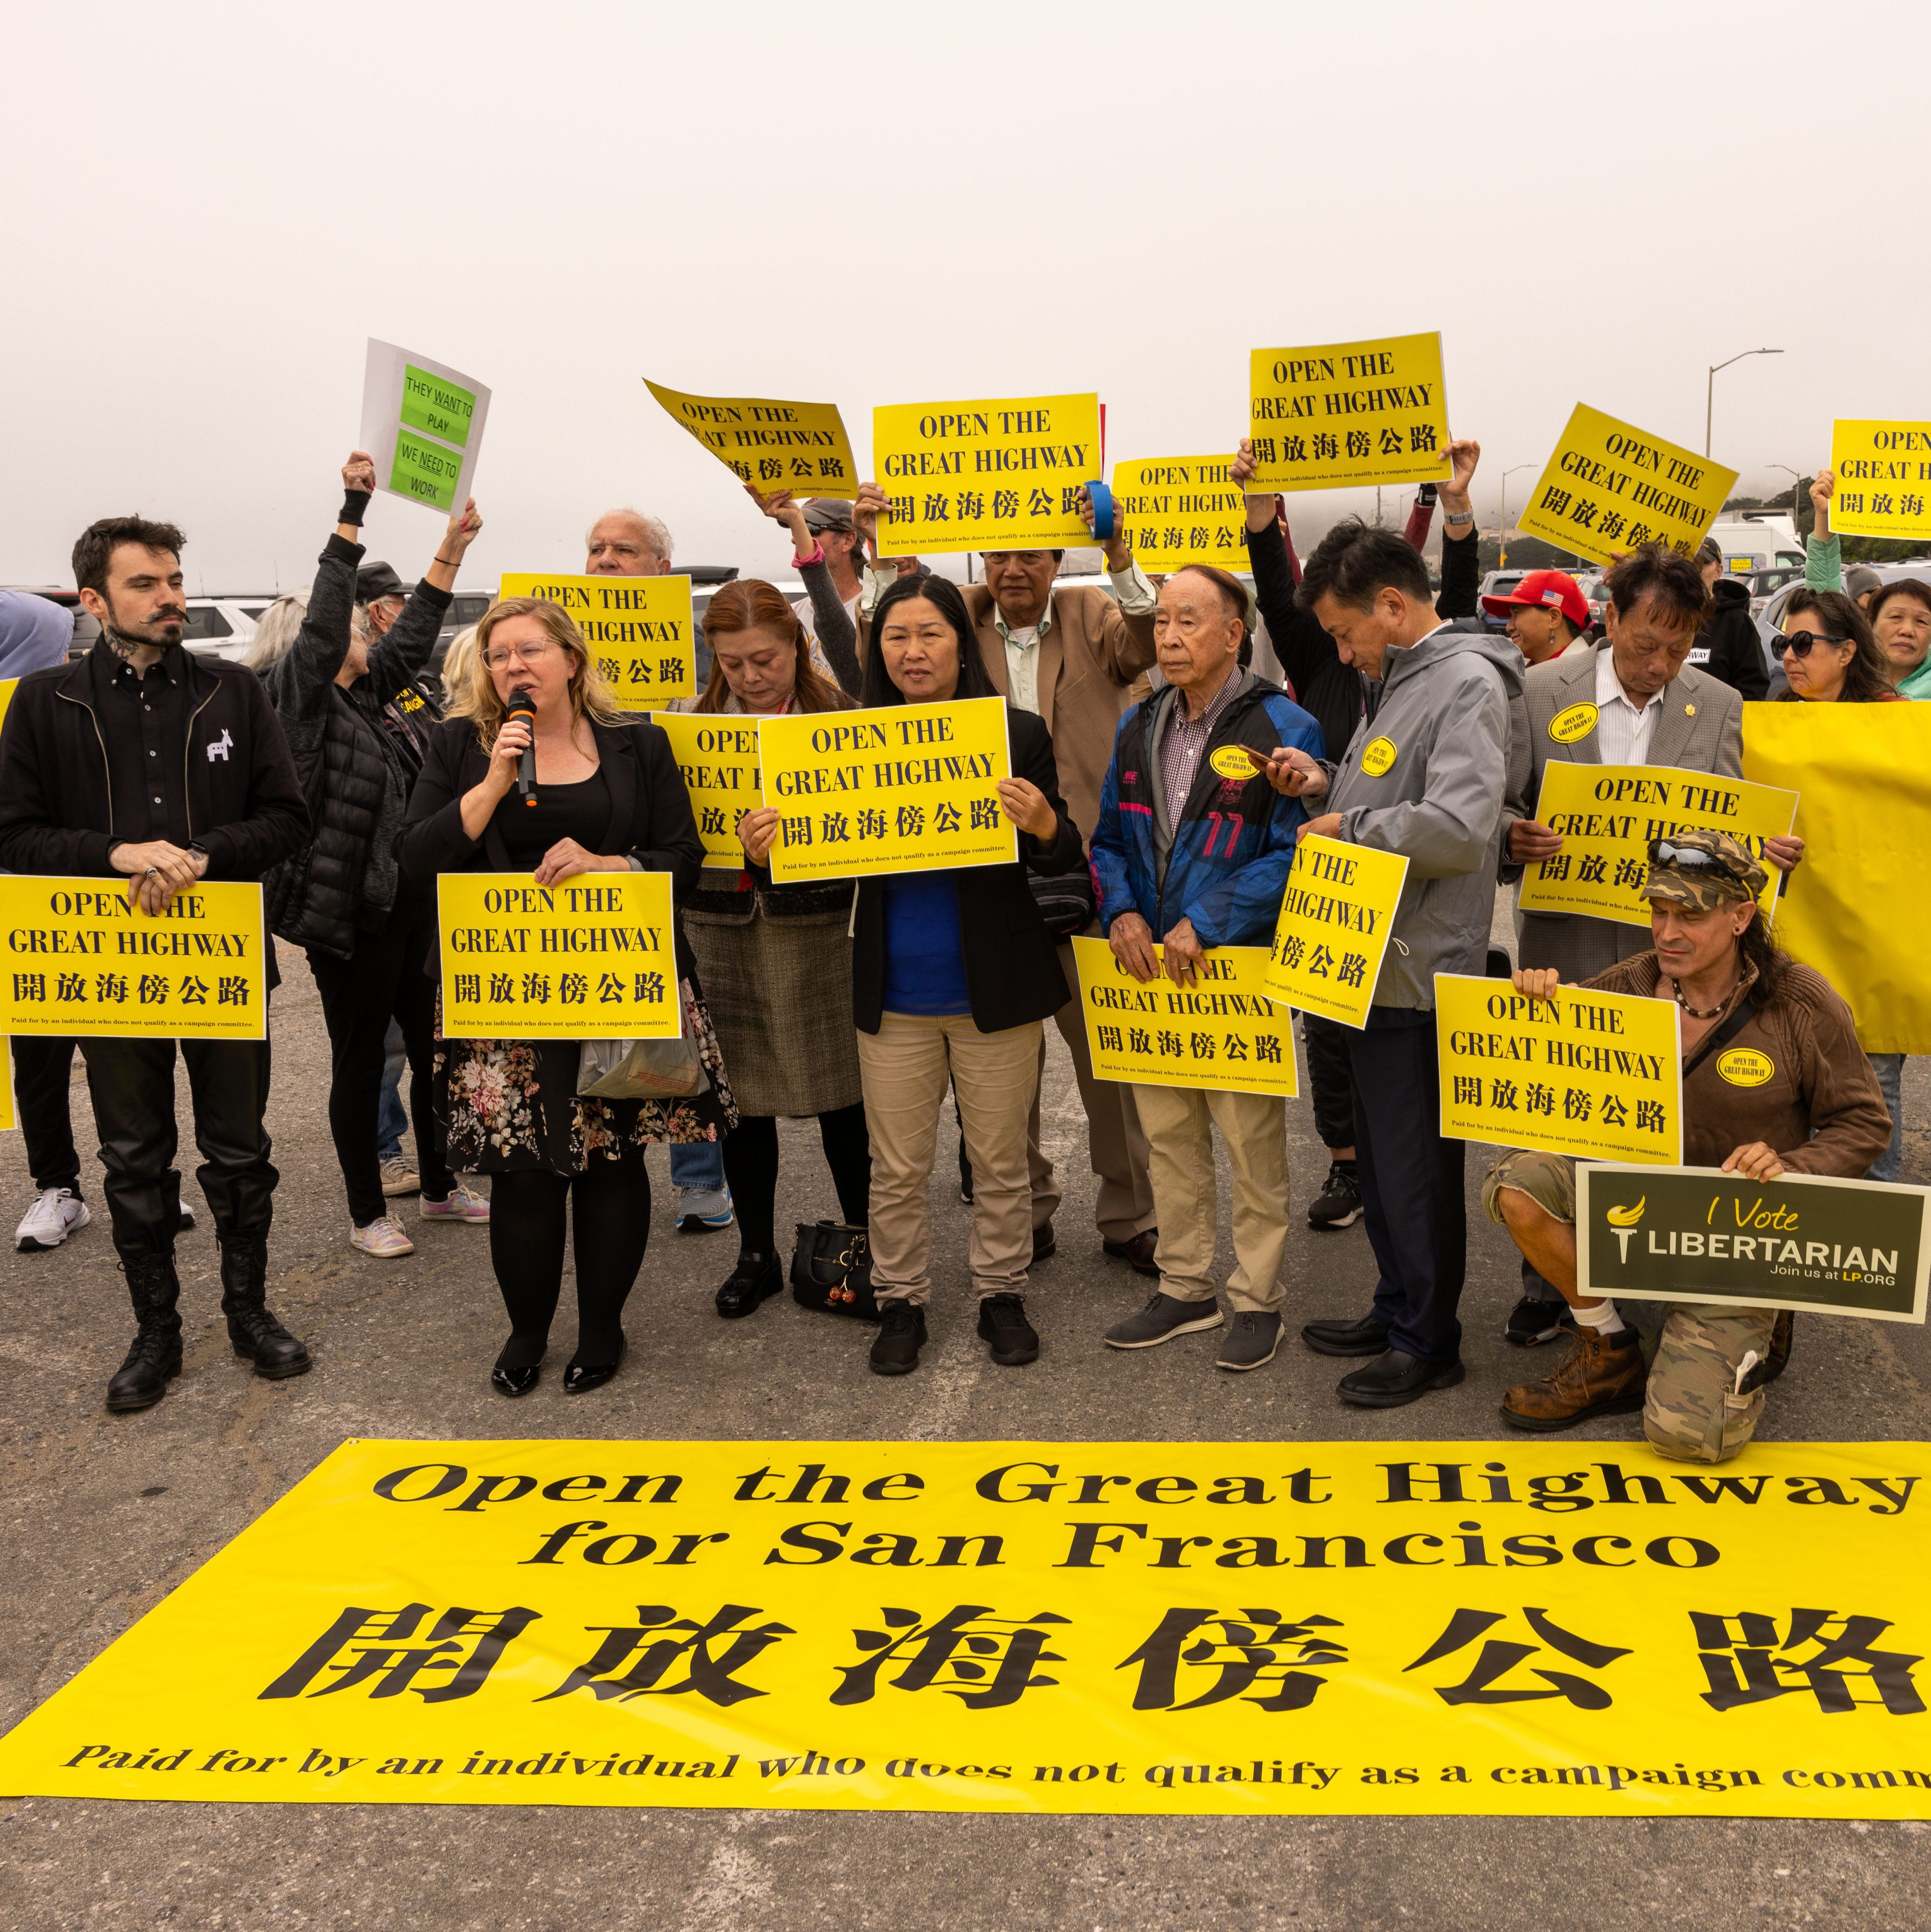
1232	841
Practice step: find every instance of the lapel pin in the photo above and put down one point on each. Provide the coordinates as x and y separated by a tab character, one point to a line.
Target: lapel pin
1690	711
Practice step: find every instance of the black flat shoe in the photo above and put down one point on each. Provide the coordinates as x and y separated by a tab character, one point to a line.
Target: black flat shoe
754	1280
1364	1337
580	1378
515	1381
1396	1379
519	1367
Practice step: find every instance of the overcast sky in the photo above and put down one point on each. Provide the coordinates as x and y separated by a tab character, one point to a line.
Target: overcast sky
210	208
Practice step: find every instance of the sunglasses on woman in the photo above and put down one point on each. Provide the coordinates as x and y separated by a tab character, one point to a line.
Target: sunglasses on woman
1797	643
1692	859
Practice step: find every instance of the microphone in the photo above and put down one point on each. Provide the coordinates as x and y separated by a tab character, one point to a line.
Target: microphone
521	703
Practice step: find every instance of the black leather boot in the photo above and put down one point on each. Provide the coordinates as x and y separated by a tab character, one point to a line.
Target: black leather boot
155	1360
257	1335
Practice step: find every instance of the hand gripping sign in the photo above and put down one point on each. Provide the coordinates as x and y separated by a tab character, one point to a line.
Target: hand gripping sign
422	421
1178	510
717	758
1337	915
640	629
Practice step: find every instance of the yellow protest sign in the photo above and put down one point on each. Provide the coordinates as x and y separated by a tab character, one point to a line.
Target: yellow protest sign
1884	479
1607	815
999	1626
998	475
8	686
1586	1073
82	962
638	628
1347	413
1336	914
716	753
6	1120
801	447
591	958
1178	510
1851	909
1224	1033
1609	488
905	788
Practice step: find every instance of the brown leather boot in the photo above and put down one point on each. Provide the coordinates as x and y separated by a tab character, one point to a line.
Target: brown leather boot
1602	1375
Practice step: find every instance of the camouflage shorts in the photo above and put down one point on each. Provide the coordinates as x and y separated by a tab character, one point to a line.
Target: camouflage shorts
1549	1180
1691	1411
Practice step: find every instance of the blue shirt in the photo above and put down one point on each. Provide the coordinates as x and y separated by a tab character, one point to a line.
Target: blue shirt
925	957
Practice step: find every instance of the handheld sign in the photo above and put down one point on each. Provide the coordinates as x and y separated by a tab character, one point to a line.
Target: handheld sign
83	961
1336	914
1804	1241
591	958
1608	815
422	421
717	757
1178	510
639	629
1347	413
1586	1073
801	447
1609	488
1884	479
905	788
1003	474
1223	1034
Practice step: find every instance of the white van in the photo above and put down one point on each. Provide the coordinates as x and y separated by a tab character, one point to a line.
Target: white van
1757	540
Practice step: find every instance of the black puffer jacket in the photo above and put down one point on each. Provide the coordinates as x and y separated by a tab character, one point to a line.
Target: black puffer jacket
1728	646
355	778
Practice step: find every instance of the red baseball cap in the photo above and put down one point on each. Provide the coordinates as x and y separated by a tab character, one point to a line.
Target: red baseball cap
1552	590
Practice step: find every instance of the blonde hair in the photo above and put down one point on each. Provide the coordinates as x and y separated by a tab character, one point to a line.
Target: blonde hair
276	630
477	699
460	663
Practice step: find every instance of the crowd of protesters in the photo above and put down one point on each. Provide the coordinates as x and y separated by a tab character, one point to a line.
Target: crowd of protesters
347	778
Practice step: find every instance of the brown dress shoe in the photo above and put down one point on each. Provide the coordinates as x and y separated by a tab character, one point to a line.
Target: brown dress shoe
1602	1375
1138	1252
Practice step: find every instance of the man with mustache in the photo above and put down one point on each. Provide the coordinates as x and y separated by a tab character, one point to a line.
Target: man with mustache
142	761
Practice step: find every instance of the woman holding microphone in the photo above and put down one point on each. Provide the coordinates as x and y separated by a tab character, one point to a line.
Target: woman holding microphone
609	798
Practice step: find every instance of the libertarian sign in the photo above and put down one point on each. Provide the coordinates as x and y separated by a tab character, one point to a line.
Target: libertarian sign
1254	1629
1349	413
638	629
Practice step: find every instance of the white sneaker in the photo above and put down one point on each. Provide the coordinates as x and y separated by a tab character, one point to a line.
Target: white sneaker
462	1203
49	1221
701	1211
399	1176
187	1217
382	1238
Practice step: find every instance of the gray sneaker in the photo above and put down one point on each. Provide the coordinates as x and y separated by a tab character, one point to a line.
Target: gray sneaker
1161	1320
1251	1339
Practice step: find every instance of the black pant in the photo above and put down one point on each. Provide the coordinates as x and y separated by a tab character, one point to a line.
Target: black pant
132	1081
751	1165
1326	1042
383	977
1412	1183
43	1073
609	1203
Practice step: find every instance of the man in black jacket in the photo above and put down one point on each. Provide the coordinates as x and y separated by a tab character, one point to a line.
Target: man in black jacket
141	760
1729	645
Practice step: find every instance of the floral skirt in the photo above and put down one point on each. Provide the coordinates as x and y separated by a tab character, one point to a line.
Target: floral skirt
506	1104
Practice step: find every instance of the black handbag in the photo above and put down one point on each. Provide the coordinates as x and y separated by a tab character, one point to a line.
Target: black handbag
1068	904
831	1271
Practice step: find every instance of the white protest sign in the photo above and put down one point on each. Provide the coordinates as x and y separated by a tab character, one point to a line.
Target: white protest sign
422	421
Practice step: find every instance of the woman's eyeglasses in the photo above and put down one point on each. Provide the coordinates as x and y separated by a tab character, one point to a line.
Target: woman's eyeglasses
529	654
1798	644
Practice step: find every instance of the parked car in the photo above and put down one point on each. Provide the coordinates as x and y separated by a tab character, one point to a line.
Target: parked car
1497	583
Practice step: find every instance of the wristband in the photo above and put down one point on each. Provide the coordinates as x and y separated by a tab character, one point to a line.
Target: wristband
817	556
1457	519
354	503
1426	495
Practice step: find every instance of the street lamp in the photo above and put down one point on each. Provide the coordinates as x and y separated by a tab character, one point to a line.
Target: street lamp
1796	484
1710	391
1503	513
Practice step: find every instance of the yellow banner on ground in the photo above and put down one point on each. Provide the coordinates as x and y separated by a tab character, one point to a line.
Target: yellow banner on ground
639	630
490	1623
1852	909
905	788
1608	815
1336	914
717	753
1609	488
1349	413
1884	479
81	962
801	447
1002	474
592	958
1223	1034
1597	1076
1174	511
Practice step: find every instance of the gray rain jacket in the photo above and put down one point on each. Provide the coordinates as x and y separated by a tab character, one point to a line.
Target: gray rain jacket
1444	707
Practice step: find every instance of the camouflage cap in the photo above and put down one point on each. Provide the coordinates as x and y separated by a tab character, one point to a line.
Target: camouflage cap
1727	876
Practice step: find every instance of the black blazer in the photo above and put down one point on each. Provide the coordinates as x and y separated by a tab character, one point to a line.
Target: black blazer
650	814
1012	963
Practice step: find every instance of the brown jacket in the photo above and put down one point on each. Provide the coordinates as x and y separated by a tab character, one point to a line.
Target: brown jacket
1088	658
1820	1108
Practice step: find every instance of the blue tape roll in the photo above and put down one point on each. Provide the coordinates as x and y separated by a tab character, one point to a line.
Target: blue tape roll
1103	511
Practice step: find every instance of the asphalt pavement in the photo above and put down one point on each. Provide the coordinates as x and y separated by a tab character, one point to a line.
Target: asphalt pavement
103	1515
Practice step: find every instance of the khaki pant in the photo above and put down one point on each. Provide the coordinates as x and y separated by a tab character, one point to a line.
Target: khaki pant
1115	1145
1180	1124
905	1067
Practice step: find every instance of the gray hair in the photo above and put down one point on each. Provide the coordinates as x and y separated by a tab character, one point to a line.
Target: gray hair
654	529
276	631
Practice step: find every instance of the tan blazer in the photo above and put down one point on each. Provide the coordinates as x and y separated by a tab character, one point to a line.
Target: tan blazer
1700	729
1088	658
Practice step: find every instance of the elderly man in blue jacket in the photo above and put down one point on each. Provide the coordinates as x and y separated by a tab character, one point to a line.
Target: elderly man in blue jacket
1193	848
